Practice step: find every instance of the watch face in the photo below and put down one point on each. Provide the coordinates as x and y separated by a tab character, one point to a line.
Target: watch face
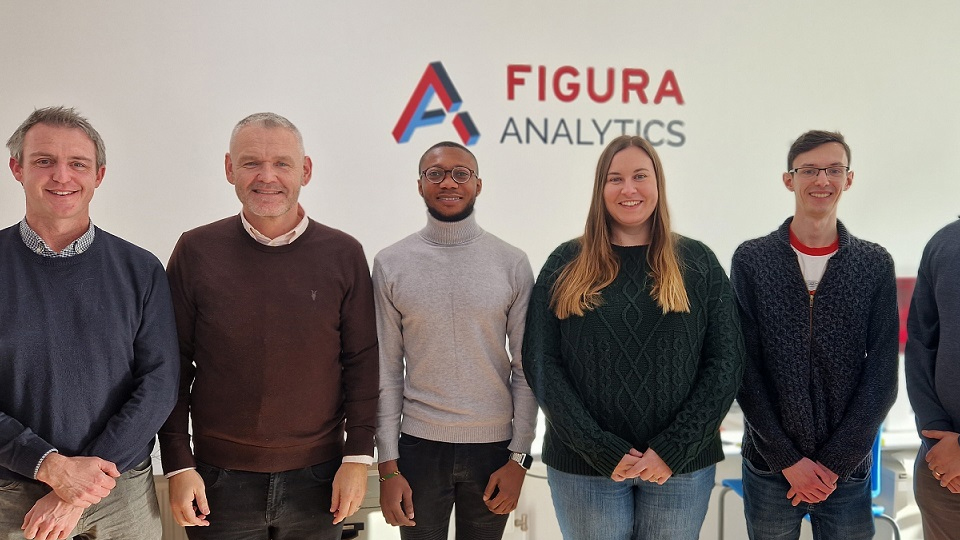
525	460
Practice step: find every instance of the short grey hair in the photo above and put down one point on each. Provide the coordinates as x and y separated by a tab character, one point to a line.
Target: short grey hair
61	116
267	120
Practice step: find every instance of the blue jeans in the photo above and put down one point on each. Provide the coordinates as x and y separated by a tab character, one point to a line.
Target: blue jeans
280	506
443	475
845	515
598	508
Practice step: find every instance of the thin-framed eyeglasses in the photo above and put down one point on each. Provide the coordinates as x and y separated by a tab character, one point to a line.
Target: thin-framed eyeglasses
813	172
460	175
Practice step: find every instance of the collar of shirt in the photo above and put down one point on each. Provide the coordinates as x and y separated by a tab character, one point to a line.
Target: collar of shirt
38	246
812	251
283	239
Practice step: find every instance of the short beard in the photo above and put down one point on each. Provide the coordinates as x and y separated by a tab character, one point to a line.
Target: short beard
456	217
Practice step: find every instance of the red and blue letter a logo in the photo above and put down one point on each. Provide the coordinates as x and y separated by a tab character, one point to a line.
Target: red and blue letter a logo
435	82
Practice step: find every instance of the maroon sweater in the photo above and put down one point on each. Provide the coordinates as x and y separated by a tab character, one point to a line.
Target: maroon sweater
279	345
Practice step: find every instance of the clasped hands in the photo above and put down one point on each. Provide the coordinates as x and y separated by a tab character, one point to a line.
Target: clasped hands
810	481
646	466
943	459
77	483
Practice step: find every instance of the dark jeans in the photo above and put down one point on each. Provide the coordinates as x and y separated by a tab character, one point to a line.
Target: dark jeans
845	515
442	475
287	505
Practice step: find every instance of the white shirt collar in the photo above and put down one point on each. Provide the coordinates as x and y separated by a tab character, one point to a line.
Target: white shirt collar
283	239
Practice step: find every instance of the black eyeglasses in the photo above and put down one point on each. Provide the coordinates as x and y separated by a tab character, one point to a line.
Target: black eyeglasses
460	175
813	172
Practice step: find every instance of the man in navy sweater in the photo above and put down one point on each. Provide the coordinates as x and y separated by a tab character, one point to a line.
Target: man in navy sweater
88	350
932	366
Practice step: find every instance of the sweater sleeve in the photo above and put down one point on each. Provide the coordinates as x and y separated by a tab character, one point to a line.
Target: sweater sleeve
923	346
155	373
20	448
877	388
175	451
524	403
359	357
759	409
389	332
543	366
721	367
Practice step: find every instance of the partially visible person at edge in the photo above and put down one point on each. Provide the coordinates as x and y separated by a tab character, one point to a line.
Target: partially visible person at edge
88	350
278	346
633	350
819	313
932	366
456	417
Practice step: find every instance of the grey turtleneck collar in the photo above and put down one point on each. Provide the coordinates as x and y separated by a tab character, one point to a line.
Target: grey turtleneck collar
451	233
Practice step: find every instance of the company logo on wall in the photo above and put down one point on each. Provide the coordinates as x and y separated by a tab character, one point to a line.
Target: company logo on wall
435	82
624	89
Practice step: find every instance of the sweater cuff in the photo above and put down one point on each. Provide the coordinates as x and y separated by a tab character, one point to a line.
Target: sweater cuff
359	442
670	453
520	444
842	467
387	450
176	458
29	452
779	462
610	455
939	425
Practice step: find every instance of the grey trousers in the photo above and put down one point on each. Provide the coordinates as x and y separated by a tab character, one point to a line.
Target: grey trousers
129	512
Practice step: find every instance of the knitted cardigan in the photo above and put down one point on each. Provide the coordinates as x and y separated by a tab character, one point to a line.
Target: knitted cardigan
821	371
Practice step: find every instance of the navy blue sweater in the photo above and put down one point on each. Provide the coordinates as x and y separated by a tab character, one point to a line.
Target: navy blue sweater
933	344
820	376
88	353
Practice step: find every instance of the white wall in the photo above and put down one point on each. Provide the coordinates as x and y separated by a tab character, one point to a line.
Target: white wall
164	82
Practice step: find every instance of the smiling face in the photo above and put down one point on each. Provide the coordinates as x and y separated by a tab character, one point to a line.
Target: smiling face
630	196
267	168
59	175
448	200
818	197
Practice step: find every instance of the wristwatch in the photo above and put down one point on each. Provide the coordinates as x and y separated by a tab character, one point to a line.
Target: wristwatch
524	460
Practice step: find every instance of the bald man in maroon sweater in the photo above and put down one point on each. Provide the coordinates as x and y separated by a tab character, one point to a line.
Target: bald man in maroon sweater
279	357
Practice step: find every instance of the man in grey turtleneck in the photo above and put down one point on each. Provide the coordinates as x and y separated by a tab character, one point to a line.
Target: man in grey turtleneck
456	418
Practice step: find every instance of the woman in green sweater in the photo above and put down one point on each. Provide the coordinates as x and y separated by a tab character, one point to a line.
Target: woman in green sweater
633	350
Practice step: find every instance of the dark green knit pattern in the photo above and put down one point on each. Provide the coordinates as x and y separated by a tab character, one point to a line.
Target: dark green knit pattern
627	376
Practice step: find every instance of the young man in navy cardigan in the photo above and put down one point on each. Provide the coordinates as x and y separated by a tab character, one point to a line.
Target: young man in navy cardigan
819	314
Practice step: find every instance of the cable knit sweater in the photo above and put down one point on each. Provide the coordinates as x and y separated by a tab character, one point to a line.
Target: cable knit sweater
625	375
821	371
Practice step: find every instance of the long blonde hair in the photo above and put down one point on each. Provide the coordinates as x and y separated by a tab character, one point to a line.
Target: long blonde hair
578	287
